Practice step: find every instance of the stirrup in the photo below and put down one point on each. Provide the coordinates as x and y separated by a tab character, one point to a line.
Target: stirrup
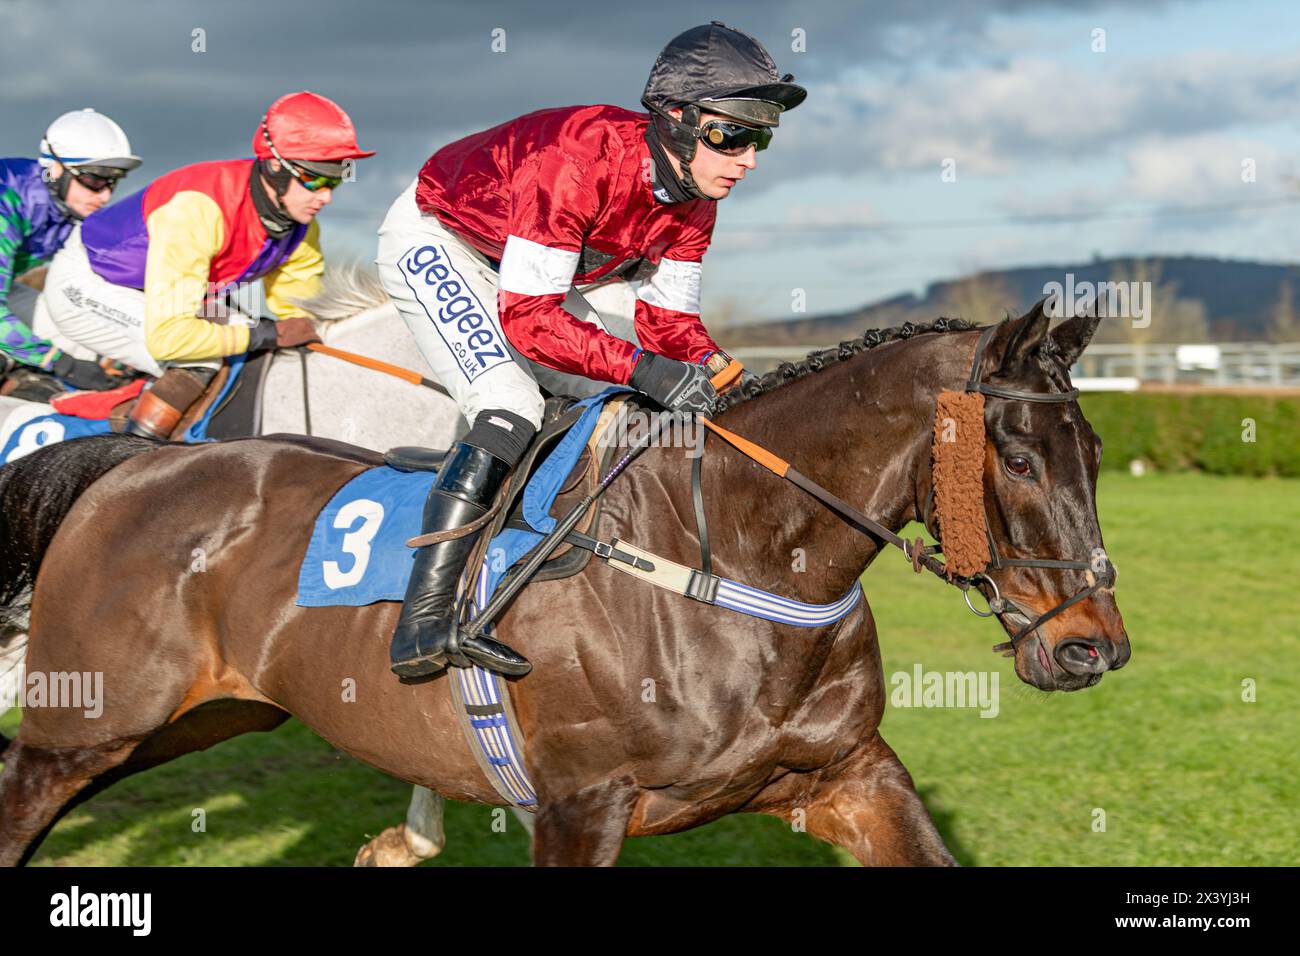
464	650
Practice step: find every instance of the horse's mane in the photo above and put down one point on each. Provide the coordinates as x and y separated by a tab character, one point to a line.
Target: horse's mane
819	359
346	290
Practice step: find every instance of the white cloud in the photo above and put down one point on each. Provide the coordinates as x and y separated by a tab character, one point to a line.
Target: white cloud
996	119
1202	168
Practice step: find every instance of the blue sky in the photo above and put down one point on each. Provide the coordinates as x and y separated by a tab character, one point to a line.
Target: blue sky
1036	122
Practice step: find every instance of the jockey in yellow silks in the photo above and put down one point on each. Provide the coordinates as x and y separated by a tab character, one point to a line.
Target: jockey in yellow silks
134	281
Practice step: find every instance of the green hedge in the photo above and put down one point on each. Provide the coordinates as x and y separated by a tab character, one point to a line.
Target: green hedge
1197	432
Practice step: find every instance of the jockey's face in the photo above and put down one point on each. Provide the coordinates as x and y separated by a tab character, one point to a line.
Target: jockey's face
81	200
301	203
714	173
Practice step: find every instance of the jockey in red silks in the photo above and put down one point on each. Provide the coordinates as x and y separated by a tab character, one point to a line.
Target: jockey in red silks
482	254
135	280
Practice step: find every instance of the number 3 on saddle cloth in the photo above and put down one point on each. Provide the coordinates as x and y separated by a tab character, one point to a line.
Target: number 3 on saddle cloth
358	554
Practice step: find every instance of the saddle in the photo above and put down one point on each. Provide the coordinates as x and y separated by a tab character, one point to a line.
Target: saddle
237	416
559	415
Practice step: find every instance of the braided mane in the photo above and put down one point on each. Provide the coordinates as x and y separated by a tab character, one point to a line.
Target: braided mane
817	360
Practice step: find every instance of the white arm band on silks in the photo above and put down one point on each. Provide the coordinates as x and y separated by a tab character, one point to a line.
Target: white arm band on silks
673	285
530	268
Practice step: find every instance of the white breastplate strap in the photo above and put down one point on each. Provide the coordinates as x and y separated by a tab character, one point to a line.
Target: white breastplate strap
722	592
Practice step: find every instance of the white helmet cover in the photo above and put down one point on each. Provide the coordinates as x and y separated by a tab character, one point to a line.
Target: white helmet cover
87	138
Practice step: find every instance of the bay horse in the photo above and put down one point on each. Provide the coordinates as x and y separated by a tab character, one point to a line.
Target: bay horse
745	714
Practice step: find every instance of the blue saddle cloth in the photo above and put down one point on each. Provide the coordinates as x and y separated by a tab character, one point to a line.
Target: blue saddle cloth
358	554
49	429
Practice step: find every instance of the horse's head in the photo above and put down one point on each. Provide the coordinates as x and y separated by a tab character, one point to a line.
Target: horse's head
1040	478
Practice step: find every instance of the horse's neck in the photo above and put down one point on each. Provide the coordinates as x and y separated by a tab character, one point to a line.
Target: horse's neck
854	429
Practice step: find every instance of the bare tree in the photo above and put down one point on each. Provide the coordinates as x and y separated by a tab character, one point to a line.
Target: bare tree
1167	316
983	297
1283	323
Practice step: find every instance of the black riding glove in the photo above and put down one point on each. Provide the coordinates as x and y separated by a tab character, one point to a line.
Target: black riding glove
261	337
284	334
677	386
83	374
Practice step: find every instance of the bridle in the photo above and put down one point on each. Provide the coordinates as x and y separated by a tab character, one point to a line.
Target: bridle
1102	572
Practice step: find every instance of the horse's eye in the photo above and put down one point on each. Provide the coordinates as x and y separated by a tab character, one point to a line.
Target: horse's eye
1018	465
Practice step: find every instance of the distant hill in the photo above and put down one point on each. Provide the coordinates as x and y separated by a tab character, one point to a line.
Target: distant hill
1238	298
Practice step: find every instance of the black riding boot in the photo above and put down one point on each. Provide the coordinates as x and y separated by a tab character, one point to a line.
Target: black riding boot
428	635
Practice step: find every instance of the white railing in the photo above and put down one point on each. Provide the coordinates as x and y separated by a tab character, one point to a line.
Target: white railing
1227	364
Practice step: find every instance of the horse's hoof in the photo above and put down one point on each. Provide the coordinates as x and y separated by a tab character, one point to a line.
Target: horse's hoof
396	847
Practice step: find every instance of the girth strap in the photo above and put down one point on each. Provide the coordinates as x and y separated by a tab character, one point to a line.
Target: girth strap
697	497
585	541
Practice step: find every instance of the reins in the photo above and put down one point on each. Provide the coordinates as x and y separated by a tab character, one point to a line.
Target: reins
919	555
365	361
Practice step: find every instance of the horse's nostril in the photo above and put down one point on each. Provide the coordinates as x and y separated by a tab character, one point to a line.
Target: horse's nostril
1081	656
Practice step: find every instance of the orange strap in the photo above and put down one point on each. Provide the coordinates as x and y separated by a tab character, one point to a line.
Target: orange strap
771	462
415	378
778	466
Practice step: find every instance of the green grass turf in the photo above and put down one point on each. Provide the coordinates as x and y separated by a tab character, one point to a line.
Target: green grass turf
1184	770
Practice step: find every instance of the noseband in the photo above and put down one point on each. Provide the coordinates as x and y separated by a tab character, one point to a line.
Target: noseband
1100	569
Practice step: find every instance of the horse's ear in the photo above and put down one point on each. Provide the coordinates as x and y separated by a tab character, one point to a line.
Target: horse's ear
1072	336
1017	340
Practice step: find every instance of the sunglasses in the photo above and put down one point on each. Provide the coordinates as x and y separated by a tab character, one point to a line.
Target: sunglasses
94	181
732	139
310	183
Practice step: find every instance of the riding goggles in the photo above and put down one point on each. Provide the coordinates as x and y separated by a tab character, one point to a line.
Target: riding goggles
314	182
732	139
94	178
95	182
309	181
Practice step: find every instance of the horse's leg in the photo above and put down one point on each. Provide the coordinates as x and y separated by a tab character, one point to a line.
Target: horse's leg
866	804
39	784
421	837
584	828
